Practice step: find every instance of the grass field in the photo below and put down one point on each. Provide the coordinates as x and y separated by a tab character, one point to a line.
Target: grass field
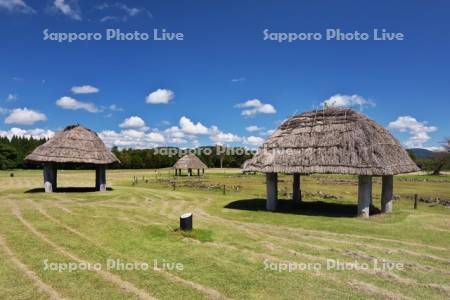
236	250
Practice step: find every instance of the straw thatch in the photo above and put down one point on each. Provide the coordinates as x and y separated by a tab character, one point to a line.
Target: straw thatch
333	140
189	161
74	144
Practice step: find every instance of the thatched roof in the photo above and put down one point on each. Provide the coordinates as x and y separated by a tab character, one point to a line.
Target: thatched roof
74	144
333	140
189	161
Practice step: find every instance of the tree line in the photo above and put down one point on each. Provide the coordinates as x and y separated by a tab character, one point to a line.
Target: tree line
13	152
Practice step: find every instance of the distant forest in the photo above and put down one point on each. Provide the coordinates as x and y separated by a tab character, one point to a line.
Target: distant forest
14	151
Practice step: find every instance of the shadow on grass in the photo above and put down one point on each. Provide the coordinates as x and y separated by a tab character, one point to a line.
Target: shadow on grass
68	190
307	208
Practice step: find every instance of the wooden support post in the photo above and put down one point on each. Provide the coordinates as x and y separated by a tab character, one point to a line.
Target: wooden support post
416	198
100	178
296	191
387	193
176	172
190	172
198	172
364	188
203	171
49	181
272	191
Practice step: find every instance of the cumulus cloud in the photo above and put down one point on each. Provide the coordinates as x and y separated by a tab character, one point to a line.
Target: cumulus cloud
255	106
339	100
24	116
175	135
190	127
37	133
131	138
220	137
73	104
418	131
84	89
160	96
71	10
133	122
16	6
254	140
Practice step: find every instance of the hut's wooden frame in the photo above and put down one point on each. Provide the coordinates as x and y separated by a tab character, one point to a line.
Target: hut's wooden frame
76	145
332	141
189	162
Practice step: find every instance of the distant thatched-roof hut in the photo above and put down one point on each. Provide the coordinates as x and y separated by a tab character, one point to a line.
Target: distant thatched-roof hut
74	144
332	140
189	162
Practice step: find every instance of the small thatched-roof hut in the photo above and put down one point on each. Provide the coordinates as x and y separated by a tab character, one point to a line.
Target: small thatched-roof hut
189	162
74	144
332	140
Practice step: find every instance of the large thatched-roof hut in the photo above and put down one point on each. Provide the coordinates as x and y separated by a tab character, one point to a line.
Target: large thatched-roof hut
189	162
337	141
74	144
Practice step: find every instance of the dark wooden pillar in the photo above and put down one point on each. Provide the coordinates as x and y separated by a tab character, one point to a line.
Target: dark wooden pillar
296	190
190	172
387	193
50	180
272	191
364	195
100	178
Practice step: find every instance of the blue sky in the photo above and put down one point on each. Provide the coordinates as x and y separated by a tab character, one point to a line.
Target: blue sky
223	83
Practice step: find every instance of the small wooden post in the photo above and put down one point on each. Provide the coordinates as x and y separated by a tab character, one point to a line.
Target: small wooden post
272	191
198	172
186	222
387	195
416	199
224	189
296	191
364	188
203	171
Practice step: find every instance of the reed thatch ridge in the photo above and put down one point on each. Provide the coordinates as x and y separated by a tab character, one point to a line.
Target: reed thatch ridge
332	140
73	144
189	161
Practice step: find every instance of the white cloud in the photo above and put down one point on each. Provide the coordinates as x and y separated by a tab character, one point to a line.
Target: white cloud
84	89
160	96
16	6
189	127
126	11
222	137
253	128
133	122
73	104
255	106
254	140
132	138
24	116
71	10
36	133
114	107
418	131
3	110
240	79
339	100
11	97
